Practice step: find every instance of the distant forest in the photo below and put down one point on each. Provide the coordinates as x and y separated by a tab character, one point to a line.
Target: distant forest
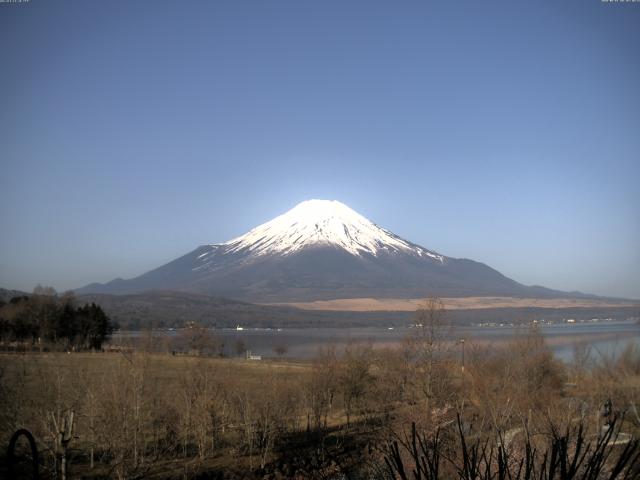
160	309
167	309
46	318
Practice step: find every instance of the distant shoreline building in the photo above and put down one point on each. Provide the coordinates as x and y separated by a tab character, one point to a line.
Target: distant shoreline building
250	356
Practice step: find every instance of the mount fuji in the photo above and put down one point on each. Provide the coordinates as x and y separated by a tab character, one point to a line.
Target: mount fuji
321	250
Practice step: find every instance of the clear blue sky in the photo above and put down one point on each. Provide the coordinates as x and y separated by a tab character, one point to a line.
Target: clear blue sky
503	131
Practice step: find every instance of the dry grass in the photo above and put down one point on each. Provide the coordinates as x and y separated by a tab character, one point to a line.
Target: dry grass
165	416
132	393
466	303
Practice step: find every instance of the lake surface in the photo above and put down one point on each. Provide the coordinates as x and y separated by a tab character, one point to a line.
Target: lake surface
605	338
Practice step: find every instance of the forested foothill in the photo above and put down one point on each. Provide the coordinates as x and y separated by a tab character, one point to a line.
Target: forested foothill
163	309
426	409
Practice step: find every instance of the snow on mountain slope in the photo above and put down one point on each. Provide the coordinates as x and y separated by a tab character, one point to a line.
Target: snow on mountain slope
326	223
321	250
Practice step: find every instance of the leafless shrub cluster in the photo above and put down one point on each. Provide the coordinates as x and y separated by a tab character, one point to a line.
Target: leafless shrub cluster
567	455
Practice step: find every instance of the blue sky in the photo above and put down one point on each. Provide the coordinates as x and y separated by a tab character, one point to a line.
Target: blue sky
506	132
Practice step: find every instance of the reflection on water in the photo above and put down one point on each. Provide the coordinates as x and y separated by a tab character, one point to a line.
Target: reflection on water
606	338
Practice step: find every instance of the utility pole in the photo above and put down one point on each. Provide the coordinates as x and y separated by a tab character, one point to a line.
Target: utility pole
462	343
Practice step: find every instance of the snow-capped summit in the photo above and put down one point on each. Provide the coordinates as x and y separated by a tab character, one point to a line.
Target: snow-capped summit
320	250
324	223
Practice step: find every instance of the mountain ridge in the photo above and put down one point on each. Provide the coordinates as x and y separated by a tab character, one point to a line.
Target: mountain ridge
321	250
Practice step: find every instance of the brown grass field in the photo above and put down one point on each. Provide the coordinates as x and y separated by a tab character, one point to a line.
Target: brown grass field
142	414
463	303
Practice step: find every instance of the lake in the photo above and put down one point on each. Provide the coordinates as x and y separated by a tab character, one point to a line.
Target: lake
606	338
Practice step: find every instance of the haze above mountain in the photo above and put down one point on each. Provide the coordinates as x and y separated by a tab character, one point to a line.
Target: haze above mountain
321	250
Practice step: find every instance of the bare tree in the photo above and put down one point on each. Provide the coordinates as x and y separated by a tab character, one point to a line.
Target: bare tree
428	345
199	340
63	428
280	350
322	386
240	346
354	377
